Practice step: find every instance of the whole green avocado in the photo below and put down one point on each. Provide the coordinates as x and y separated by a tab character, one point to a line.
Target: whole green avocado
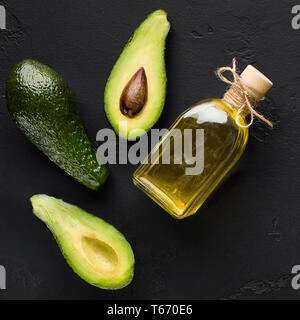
44	109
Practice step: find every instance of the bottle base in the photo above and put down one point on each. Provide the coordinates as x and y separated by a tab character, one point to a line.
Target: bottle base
160	201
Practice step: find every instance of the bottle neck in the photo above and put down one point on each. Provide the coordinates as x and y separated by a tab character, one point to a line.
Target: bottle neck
237	98
252	92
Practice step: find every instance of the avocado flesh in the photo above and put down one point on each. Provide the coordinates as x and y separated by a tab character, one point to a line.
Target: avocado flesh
94	249
146	49
44	109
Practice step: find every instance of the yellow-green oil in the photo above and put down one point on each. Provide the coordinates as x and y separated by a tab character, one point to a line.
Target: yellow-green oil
181	195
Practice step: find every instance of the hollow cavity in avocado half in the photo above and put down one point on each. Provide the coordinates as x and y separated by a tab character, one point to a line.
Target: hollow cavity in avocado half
135	92
94	249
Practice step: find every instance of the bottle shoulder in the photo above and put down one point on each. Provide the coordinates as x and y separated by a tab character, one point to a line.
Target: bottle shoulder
216	118
215	110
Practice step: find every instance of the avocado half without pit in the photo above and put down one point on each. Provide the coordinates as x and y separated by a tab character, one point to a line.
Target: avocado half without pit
94	249
136	89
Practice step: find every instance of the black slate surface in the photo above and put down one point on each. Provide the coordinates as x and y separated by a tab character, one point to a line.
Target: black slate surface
244	242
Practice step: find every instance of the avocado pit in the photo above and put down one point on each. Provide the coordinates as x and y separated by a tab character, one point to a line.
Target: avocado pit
134	95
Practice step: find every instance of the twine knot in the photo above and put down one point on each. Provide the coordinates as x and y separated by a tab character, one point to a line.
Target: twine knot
240	97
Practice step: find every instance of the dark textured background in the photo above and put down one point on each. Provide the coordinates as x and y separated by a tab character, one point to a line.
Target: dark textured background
246	239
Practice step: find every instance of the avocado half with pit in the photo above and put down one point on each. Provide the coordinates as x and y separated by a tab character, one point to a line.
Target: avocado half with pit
136	89
94	249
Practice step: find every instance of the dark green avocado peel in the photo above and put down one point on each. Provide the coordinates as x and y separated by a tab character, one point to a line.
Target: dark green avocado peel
44	109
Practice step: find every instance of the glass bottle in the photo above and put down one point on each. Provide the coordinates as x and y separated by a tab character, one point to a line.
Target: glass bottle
217	131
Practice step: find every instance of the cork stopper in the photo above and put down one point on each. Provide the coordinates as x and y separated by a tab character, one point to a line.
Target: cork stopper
245	92
258	83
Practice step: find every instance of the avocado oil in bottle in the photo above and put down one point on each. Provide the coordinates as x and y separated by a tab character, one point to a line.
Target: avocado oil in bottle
216	130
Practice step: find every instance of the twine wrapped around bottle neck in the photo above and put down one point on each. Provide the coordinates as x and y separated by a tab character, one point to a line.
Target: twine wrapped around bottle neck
240	97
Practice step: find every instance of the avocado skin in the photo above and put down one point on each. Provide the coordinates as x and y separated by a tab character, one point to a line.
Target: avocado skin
44	109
